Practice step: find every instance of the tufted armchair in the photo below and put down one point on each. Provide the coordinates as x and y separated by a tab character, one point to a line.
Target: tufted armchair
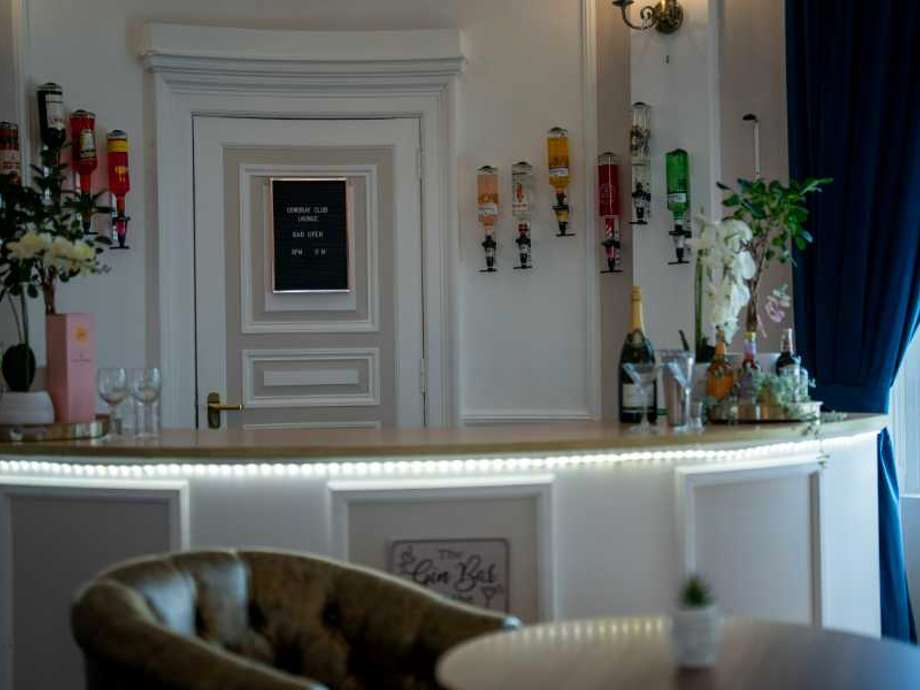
264	620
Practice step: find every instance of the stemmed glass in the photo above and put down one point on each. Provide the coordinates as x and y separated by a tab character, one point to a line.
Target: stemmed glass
145	389
645	376
112	385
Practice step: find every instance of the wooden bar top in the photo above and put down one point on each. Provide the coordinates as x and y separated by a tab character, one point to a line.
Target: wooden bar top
319	444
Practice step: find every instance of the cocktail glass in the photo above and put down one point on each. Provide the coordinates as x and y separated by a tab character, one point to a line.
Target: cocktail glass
645	376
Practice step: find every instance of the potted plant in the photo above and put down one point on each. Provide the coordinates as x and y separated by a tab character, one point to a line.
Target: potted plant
45	242
775	215
696	626
18	364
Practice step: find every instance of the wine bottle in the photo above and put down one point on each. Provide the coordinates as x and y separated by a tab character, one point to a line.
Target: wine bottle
636	350
747	389
788	362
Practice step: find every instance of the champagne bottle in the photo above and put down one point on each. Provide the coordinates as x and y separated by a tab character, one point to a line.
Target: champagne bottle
636	350
788	362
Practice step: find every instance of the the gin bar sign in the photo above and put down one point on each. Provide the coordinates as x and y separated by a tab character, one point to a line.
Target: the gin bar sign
309	219
474	571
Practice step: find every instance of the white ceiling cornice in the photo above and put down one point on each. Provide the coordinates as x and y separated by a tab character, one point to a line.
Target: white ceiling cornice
206	54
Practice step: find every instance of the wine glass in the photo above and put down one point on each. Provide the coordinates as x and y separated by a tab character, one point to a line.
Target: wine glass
112	385
645	376
145	389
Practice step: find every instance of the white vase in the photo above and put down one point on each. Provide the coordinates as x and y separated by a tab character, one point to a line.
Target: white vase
19	409
695	636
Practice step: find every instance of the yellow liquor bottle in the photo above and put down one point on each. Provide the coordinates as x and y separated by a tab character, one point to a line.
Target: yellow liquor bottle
557	149
558	160
720	377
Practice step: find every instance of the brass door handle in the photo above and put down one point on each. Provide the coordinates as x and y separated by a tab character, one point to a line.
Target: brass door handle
215	407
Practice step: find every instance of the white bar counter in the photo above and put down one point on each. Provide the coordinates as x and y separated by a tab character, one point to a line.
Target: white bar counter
594	520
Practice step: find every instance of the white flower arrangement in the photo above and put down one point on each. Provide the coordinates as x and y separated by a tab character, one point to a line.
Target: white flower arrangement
45	236
71	258
727	266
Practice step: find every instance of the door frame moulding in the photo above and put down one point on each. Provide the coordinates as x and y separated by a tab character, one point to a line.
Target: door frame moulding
202	71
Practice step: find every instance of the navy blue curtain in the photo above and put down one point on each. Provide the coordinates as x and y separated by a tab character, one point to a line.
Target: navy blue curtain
853	72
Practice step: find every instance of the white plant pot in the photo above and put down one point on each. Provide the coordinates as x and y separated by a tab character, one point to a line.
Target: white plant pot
19	409
695	637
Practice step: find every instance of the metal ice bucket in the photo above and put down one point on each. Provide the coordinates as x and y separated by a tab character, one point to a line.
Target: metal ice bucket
678	385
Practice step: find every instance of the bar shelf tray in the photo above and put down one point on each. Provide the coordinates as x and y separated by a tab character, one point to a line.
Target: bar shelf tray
762	413
57	431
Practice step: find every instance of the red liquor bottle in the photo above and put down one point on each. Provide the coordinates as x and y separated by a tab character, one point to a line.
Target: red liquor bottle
608	196
83	140
10	156
119	182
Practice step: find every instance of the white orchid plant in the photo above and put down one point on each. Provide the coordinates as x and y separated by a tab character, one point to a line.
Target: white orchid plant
766	223
727	267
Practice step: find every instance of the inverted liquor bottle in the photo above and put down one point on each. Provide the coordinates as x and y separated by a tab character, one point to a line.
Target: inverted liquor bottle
10	154
608	197
522	180
558	160
51	121
640	135
487	199
636	350
84	158
677	165
119	183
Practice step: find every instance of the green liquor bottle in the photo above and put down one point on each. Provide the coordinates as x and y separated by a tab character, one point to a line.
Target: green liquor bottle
678	182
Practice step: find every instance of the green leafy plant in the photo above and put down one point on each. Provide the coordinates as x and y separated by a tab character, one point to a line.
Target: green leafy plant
776	214
44	239
696	593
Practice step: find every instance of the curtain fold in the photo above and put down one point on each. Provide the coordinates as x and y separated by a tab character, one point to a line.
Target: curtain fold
853	80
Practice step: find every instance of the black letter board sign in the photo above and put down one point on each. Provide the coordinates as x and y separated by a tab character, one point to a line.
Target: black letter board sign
310	227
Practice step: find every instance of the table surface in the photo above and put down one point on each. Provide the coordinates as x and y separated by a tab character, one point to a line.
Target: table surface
635	654
324	444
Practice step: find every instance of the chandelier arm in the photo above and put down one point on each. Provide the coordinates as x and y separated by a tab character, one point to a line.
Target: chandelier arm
648	16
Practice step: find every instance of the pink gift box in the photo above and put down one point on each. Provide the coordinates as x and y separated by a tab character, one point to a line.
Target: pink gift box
71	375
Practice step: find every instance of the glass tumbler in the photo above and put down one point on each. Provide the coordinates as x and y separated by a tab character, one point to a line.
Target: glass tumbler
145	390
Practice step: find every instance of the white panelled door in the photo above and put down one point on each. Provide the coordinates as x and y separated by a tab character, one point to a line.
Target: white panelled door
345	358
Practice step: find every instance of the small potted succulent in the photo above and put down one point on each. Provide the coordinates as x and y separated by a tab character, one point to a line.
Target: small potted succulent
695	633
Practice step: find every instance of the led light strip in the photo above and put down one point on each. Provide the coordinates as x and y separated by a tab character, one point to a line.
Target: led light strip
417	467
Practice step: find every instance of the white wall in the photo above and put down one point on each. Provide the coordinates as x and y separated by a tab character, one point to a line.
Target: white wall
677	76
521	337
522	334
752	66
